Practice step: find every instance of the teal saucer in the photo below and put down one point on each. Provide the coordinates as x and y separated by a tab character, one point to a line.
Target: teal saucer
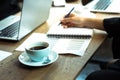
24	59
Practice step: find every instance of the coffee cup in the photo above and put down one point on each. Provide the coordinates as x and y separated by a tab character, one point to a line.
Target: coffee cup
37	51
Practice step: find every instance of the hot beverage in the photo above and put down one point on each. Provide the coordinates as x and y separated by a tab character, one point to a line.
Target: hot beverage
37	48
71	0
37	51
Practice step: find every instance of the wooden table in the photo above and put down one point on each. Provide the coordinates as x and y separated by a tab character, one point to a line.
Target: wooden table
67	67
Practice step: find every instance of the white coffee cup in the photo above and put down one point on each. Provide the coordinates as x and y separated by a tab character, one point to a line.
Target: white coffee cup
37	51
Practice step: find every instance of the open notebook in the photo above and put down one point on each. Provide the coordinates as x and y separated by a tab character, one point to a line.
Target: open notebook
70	40
73	32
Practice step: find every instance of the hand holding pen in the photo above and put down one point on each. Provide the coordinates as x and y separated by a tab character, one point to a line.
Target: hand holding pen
67	15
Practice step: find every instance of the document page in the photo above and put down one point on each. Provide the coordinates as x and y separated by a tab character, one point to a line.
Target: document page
71	46
4	54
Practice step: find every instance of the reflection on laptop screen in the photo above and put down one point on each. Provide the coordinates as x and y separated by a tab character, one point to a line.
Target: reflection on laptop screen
8	7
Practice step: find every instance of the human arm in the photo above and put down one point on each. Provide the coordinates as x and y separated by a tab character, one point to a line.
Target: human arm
85	22
110	25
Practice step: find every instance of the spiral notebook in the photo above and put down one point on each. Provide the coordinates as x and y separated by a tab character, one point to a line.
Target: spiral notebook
73	32
70	40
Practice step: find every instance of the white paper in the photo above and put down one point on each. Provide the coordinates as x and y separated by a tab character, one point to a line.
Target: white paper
4	54
35	37
72	46
61	46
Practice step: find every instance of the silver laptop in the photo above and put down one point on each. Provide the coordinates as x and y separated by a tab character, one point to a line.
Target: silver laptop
105	6
34	13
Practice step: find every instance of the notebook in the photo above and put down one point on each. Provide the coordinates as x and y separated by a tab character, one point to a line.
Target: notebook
105	6
34	13
70	40
73	32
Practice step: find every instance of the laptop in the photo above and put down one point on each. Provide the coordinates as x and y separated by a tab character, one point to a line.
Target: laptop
33	14
104	6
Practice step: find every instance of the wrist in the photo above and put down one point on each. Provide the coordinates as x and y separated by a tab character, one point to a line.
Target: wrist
94	23
87	22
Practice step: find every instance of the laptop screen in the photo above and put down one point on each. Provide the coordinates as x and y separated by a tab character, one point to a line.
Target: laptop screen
34	13
8	7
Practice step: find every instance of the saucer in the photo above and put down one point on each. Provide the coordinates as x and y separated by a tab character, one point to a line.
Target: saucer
24	59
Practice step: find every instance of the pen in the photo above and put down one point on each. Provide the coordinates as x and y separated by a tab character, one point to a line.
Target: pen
67	14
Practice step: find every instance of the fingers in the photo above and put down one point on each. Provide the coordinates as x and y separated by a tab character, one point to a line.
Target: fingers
66	25
67	22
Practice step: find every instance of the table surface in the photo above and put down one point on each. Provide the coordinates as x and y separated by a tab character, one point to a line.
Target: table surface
67	67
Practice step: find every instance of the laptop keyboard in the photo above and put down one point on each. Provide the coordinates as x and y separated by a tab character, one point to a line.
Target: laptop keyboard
11	30
102	4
